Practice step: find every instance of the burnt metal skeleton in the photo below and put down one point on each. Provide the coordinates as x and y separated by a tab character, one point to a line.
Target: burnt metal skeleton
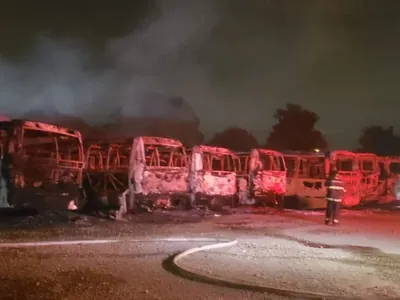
106	173
347	166
261	176
389	179
369	170
212	176
158	173
307	172
41	167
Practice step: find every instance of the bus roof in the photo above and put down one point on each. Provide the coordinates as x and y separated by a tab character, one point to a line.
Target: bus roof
34	125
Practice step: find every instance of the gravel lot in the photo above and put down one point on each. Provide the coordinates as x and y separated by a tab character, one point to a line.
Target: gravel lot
286	264
118	271
267	254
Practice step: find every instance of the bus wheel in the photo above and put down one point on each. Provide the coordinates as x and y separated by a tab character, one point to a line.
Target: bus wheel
82	201
211	203
259	202
280	201
235	201
185	203
217	203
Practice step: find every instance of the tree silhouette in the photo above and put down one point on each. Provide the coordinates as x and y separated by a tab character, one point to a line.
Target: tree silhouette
295	130
379	140
236	139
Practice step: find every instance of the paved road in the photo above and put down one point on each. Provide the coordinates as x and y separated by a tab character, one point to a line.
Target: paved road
112	271
135	271
351	272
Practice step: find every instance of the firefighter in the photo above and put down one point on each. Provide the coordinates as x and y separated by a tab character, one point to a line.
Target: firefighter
334	195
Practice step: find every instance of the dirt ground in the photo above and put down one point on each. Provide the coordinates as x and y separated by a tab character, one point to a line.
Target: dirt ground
358	258
290	249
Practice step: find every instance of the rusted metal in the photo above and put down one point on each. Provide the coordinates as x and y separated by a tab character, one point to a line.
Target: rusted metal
158	172
42	165
261	175
212	175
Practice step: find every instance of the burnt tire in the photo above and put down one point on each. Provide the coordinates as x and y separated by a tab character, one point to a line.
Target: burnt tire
259	202
81	201
187	203
235	201
280	201
218	203
182	203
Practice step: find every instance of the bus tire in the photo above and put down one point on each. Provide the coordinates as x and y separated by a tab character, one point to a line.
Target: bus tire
235	201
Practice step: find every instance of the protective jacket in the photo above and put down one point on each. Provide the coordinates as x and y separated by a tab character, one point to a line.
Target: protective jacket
334	189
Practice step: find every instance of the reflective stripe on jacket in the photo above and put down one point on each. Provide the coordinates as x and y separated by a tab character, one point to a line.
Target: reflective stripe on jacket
334	190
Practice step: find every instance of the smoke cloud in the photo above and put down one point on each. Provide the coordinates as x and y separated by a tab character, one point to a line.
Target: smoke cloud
144	70
235	62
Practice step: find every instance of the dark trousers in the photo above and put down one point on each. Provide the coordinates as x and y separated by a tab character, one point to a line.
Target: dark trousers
332	210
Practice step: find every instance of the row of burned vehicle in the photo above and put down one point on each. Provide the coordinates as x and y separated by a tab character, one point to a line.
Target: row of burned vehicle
162	172
46	166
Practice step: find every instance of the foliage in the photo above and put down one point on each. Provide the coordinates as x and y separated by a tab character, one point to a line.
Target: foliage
234	138
295	130
379	140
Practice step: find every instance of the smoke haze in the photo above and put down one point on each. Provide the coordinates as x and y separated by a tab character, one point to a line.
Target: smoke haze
234	62
151	61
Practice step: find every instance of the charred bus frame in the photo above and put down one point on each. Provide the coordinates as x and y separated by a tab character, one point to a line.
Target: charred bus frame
389	178
42	165
212	176
106	171
369	169
261	176
306	175
307	172
158	172
347	165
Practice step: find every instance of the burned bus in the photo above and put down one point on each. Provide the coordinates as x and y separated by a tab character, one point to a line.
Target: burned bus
261	177
307	172
389	178
41	166
158	173
347	166
369	169
106	172
306	175
212	176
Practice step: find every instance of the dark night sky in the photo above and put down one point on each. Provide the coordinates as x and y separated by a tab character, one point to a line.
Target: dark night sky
234	61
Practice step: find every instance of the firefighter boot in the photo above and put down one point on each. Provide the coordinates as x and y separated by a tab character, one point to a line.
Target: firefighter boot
327	221
335	221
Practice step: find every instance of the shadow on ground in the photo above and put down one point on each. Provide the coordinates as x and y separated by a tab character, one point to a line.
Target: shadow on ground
30	219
